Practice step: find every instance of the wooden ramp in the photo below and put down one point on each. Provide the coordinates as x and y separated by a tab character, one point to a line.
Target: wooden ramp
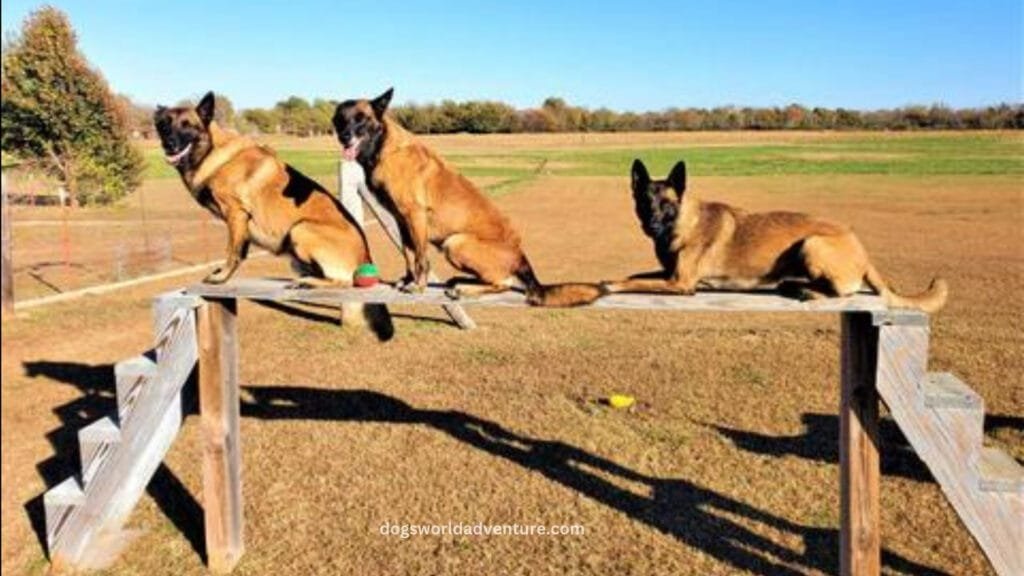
884	356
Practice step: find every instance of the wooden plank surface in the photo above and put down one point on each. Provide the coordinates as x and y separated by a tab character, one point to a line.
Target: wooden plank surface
219	415
277	289
860	535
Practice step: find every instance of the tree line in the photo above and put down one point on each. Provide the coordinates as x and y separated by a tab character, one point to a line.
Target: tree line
299	117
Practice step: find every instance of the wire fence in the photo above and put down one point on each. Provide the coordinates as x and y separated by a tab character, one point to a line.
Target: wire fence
52	257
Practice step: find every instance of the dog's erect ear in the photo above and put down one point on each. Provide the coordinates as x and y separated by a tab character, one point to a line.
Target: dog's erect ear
159	113
380	103
641	179
205	108
677	178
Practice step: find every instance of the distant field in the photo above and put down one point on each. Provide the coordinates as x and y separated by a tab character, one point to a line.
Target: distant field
914	154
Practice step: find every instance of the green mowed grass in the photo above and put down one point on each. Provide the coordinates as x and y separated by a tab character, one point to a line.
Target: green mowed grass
967	154
916	155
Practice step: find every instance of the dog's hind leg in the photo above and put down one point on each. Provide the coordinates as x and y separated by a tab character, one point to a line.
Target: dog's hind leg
835	264
471	289
491	262
648	286
336	253
805	289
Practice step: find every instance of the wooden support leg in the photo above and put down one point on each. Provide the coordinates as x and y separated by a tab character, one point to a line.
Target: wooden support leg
219	414
860	540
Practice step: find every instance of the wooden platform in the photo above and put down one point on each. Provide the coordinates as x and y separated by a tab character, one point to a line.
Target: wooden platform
883	358
764	301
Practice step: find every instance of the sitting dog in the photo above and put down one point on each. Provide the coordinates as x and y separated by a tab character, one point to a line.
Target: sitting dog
436	205
265	201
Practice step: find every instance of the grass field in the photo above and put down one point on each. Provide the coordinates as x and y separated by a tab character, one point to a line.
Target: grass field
729	465
853	153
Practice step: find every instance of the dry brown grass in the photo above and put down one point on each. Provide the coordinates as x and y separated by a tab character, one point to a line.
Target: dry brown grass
728	466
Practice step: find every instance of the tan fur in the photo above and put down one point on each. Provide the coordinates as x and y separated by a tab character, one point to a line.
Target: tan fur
437	205
721	246
264	203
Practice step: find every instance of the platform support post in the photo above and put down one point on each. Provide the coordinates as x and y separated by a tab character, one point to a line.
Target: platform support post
859	534
219	415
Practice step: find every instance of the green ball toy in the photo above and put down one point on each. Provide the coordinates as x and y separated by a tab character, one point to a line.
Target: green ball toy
366	275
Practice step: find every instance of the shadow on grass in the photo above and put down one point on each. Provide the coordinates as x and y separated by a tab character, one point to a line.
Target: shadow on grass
330	315
96	383
820	442
698	517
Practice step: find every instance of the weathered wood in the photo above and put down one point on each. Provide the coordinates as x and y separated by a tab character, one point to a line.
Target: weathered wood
219	414
130	377
95	441
82	535
6	262
999	472
764	301
898	317
350	177
59	503
948	438
860	536
390	225
944	390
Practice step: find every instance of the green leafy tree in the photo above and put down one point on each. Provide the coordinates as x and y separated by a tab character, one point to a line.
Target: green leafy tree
60	112
263	120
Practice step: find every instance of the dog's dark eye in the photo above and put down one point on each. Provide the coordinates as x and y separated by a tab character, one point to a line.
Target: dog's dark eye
359	118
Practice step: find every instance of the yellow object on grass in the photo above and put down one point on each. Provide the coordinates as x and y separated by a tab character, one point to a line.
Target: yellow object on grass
621	401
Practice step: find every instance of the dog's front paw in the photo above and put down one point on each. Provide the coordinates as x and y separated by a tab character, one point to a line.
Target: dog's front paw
402	284
411	288
218	276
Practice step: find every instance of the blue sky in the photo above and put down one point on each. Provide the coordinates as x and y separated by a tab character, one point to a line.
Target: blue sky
626	55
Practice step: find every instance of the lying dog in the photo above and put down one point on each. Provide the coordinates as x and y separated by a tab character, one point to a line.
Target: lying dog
265	201
434	204
721	246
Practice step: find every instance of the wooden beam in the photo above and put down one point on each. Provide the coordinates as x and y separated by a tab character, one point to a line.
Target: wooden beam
763	301
350	177
219	415
859	535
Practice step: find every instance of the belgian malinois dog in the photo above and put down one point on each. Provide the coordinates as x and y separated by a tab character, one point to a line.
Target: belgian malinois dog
436	205
716	245
267	202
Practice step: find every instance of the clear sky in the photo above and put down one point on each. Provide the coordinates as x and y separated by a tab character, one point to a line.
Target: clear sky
626	55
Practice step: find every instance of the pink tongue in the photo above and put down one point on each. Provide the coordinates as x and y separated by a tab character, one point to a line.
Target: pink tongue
349	153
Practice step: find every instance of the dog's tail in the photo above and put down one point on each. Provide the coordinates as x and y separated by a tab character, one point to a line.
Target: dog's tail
556	295
931	300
